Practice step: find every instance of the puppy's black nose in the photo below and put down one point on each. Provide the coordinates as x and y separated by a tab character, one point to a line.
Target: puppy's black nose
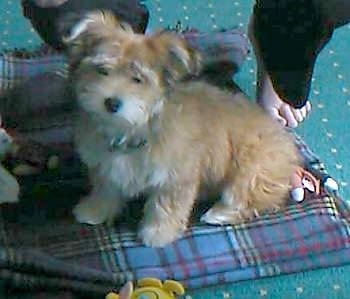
113	105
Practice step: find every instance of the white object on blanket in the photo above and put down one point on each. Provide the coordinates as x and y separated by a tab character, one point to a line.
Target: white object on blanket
9	187
298	194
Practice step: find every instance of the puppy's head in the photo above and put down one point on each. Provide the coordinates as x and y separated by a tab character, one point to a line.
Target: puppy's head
120	75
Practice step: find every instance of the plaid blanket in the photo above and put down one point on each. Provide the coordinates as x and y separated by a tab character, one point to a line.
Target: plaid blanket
18	66
43	251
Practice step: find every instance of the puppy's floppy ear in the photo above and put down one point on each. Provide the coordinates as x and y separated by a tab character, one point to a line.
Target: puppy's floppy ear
179	59
88	30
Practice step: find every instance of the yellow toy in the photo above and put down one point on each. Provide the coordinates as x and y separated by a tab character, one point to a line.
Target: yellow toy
149	288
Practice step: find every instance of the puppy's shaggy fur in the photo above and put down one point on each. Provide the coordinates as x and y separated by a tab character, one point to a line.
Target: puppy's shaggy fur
143	129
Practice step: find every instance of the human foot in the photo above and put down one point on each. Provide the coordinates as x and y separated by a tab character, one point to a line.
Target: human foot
267	97
282	112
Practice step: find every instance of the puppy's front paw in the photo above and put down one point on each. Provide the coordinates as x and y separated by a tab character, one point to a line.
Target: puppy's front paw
158	235
92	211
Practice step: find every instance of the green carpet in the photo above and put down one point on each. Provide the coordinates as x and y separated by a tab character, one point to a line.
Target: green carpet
319	284
326	130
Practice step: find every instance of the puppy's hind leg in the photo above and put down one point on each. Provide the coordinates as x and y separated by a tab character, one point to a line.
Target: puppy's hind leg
166	214
230	209
250	192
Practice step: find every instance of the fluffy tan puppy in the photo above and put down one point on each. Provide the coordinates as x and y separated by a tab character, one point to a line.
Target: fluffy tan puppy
144	129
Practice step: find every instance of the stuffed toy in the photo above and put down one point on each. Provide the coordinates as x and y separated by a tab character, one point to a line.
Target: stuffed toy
303	181
308	182
22	157
149	288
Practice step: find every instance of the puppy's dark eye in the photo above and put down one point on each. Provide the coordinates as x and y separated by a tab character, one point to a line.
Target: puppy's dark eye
136	80
102	70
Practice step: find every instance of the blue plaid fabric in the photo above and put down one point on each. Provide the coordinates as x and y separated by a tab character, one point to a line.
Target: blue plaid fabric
311	235
16	67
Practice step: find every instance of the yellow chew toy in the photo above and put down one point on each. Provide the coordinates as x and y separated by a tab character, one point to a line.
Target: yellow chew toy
149	288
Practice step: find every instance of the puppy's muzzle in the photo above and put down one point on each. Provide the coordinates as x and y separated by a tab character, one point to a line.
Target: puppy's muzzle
113	105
